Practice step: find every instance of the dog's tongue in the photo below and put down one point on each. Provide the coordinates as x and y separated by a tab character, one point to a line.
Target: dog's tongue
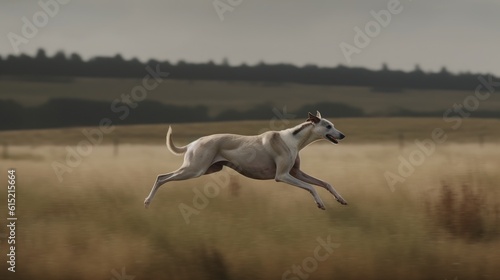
332	139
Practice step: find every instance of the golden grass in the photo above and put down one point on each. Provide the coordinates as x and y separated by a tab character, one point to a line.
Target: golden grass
94	221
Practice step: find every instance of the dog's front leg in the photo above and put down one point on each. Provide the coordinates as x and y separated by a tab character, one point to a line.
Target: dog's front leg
283	167
289	179
299	174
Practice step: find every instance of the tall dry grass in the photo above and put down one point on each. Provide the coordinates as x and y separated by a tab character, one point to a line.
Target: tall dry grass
441	223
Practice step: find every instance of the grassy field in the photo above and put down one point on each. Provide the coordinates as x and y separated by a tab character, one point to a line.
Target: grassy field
442	222
214	94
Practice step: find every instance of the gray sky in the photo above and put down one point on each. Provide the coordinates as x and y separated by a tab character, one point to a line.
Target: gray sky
461	35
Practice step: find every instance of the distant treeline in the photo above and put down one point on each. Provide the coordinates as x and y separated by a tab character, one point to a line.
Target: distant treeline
63	112
62	65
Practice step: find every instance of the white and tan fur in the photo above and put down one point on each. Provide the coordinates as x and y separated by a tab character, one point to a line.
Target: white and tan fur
270	155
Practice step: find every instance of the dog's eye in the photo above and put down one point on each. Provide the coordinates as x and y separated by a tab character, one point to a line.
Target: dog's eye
329	126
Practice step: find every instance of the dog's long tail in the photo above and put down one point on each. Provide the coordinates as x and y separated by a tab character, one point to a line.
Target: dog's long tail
178	151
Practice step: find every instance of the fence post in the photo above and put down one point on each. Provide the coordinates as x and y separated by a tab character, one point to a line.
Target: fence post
401	138
5	153
116	143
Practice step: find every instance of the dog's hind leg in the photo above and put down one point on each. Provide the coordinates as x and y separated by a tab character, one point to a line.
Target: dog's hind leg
299	174
196	163
180	174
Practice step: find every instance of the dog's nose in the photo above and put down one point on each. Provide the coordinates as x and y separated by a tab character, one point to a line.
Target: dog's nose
342	136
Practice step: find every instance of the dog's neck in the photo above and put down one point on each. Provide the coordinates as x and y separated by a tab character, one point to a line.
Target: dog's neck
301	135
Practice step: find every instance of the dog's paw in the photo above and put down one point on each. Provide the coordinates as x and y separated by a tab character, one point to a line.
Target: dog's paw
146	203
342	201
321	206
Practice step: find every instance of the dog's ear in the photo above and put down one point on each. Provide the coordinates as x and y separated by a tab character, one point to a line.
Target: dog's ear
312	118
318	114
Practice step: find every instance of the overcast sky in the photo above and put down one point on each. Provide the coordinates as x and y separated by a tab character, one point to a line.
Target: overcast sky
461	35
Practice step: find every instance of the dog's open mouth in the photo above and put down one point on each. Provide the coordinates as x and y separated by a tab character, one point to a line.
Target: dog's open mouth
332	139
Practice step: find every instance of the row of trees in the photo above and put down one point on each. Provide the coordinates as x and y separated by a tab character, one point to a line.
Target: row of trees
62	65
63	112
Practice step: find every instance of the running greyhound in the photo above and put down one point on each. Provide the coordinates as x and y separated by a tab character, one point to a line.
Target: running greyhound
270	155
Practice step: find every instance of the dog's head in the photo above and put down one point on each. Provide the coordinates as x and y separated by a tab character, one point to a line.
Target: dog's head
323	128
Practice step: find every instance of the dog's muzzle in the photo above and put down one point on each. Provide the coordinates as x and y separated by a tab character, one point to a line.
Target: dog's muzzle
333	139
